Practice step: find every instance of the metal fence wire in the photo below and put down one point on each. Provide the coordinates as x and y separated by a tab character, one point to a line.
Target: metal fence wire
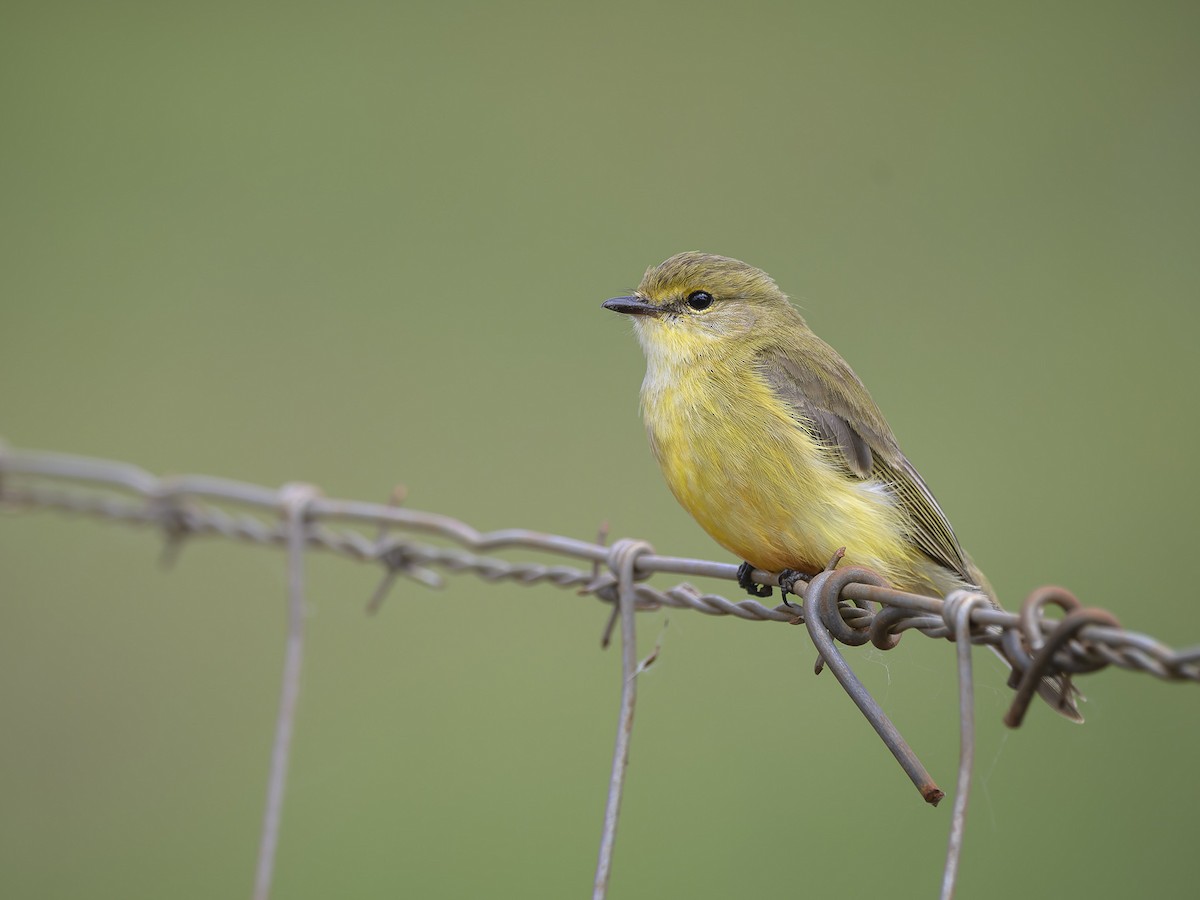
848	605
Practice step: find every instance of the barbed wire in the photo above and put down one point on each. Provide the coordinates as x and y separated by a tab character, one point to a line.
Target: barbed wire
837	604
184	506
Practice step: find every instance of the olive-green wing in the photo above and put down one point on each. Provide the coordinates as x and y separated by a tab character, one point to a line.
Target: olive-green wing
851	423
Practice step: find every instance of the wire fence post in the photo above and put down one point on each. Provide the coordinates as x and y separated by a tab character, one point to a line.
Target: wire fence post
295	501
959	607
623	561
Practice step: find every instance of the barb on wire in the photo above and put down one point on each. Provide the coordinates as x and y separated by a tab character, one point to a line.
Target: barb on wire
396	561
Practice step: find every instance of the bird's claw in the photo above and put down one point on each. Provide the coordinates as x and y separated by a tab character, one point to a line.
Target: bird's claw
788	579
750	587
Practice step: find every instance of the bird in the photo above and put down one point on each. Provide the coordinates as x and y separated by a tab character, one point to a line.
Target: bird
770	441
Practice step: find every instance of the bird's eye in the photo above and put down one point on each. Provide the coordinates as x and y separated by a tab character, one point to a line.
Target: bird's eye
699	299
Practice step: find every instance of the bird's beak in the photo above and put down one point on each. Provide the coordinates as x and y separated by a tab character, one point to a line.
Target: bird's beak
632	306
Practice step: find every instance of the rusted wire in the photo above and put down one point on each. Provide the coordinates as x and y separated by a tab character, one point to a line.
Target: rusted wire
1046	650
825	624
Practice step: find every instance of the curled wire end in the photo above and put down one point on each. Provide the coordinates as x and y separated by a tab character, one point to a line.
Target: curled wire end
823	617
826	588
880	632
1050	656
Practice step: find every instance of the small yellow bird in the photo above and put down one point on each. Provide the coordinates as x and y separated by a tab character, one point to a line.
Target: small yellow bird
771	442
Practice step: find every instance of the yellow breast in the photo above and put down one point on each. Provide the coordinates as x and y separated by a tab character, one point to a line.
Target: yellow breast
760	485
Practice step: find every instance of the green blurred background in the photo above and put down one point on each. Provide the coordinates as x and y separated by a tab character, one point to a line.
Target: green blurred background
363	244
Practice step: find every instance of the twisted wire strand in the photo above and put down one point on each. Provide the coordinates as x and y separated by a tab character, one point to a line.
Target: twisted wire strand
190	506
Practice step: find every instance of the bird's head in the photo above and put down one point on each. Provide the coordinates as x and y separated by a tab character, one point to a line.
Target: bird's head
694	303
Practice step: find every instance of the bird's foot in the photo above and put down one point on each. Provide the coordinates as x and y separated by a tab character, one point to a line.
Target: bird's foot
751	587
787	582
